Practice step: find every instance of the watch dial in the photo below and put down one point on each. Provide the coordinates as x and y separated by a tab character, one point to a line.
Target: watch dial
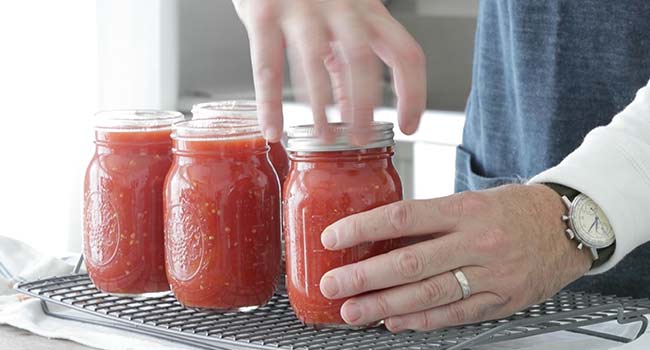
590	223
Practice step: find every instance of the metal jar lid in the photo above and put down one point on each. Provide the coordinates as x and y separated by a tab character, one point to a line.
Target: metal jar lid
303	138
214	129
235	109
136	120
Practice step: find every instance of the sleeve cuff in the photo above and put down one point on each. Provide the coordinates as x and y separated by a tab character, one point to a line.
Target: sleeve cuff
612	166
607	196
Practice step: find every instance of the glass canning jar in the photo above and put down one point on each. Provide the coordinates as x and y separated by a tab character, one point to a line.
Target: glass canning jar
123	192
327	182
222	214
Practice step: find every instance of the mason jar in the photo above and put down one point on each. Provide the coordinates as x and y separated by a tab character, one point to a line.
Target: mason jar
327	182
222	215
244	110
123	193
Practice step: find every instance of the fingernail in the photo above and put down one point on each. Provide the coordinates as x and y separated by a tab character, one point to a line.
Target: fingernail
394	323
329	287
409	128
351	312
328	239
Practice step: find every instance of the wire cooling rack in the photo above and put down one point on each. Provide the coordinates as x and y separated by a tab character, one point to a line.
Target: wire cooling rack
274	325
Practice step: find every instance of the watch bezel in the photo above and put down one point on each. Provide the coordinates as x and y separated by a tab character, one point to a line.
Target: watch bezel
579	235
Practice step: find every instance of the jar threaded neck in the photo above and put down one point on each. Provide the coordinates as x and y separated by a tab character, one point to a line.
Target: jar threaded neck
140	120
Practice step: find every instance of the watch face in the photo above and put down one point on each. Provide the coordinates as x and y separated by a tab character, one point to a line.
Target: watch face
590	224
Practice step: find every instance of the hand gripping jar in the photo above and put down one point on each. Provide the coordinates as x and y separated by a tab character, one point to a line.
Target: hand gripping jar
123	193
244	110
222	214
327	182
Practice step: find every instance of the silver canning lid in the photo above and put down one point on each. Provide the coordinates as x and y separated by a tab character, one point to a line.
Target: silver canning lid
303	138
214	129
136	120
239	109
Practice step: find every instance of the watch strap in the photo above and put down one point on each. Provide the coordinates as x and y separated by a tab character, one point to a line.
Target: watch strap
563	190
603	255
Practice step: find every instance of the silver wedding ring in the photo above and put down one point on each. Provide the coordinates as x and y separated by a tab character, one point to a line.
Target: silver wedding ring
463	283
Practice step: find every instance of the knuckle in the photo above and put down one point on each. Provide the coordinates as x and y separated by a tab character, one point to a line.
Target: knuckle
340	7
452	207
426	322
364	107
383	307
265	73
414	56
429	292
356	233
502	272
314	54
409	263
358	54
399	216
333	63
474	203
456	314
264	12
359	279
352	232
492	241
482	313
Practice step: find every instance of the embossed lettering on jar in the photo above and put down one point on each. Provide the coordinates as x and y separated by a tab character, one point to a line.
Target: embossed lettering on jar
327	182
123	215
222	214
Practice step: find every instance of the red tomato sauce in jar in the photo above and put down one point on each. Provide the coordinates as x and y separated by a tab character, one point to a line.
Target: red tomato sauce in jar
123	214
245	111
222	213
327	183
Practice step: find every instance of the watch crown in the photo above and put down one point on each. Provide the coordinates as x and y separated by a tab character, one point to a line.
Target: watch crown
565	218
569	233
580	245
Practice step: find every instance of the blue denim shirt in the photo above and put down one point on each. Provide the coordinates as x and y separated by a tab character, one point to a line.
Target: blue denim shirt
545	74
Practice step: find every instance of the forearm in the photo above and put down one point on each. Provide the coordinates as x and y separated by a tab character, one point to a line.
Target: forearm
612	166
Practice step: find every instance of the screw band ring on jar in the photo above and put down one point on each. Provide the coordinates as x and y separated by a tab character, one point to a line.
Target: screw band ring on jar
305	138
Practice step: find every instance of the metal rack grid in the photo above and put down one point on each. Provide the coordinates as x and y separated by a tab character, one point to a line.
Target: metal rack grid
274	325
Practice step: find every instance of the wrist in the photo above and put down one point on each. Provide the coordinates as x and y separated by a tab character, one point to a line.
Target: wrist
576	262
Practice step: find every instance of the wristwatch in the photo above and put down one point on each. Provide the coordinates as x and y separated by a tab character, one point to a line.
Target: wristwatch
587	224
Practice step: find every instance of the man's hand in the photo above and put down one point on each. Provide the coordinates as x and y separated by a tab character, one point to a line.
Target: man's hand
334	46
508	241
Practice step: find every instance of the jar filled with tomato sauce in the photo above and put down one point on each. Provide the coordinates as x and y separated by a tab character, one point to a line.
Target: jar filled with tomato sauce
123	194
244	110
222	214
327	182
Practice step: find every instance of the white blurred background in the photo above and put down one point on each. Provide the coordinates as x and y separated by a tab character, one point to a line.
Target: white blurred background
48	91
61	61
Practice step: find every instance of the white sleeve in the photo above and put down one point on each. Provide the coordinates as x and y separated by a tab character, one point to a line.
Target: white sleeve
612	166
